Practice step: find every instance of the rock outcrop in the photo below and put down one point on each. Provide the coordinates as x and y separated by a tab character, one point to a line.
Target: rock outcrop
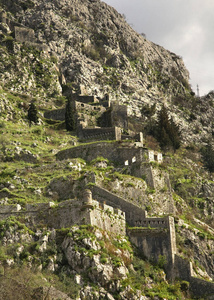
96	48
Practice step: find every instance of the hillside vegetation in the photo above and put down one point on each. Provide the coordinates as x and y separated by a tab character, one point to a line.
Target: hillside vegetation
90	47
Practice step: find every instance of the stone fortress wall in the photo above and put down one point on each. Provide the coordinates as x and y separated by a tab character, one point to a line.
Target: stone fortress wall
56	114
69	213
131	154
154	237
105	133
122	153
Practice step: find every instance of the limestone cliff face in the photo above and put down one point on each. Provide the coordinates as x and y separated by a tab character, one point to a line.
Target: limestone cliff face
96	48
89	44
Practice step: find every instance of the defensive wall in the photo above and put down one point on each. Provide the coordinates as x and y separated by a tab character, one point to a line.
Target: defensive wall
69	213
105	133
124	153
155	238
133	212
129	154
115	116
119	116
83	98
201	288
59	114
79	106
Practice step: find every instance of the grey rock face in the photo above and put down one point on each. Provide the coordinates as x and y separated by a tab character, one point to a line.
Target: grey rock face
95	47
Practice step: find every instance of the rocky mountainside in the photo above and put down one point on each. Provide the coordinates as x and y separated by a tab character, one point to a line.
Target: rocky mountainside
95	47
46	49
90	45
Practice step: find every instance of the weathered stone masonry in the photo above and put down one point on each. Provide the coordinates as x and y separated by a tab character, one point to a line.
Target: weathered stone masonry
155	237
69	213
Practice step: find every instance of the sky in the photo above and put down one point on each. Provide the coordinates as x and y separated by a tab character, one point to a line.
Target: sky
185	27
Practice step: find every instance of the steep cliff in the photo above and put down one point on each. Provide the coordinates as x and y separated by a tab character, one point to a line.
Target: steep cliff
96	48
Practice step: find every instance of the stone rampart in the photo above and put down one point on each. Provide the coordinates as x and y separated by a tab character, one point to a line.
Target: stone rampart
8	209
87	99
133	212
69	213
156	239
154	244
108	218
56	114
182	268
105	133
153	223
83	98
116	152
202	288
199	287
122	153
81	106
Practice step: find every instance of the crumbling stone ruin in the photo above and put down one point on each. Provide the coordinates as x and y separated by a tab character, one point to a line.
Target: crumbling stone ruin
131	154
20	33
113	117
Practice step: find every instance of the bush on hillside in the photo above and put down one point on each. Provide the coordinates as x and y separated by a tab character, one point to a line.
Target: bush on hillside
208	157
32	114
167	131
69	116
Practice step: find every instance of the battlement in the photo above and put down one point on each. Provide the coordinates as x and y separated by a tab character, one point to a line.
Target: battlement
69	213
153	223
105	133
84	106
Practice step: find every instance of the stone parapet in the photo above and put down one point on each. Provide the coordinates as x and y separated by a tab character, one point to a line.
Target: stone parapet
104	133
69	213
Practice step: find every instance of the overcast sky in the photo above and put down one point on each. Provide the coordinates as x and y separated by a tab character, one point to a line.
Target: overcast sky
185	27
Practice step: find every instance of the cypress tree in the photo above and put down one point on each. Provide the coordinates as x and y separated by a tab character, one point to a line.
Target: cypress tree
208	157
174	134
69	116
167	132
32	114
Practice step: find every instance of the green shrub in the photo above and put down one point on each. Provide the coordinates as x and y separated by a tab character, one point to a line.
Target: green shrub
208	156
